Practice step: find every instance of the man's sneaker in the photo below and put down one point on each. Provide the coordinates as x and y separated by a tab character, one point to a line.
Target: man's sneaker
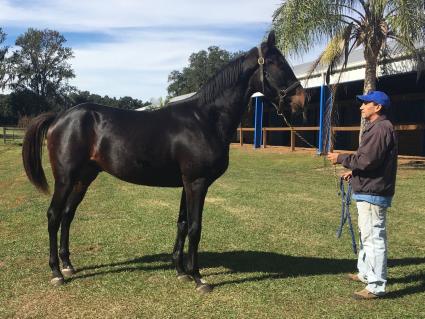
364	295
353	277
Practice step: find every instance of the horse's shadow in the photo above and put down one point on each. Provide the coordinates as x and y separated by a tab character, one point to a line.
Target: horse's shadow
270	266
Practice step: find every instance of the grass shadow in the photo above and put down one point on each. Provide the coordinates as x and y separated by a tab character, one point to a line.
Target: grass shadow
270	266
418	281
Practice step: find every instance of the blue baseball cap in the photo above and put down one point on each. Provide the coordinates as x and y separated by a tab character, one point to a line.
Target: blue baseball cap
378	97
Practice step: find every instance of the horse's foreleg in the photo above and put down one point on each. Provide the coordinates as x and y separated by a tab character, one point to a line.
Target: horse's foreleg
54	216
180	239
195	198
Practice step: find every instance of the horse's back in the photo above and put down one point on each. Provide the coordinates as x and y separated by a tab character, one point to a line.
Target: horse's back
151	148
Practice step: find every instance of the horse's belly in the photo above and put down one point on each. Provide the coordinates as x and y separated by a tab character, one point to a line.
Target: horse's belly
151	176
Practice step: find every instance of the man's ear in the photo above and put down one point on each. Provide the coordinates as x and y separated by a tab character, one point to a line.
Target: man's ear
378	108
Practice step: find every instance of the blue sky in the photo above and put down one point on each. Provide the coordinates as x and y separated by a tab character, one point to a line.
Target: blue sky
128	47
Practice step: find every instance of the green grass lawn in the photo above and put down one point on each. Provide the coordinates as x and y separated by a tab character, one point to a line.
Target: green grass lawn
268	246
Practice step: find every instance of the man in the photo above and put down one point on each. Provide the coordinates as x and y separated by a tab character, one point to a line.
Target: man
373	173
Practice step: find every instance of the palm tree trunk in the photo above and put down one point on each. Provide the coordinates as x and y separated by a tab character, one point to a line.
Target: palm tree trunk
369	83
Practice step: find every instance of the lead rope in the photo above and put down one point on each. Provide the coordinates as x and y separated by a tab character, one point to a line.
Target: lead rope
291	87
289	125
345	213
306	142
345	196
260	62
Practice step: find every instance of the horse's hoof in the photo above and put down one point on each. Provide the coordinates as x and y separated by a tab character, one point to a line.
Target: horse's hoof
57	281
204	288
184	278
68	272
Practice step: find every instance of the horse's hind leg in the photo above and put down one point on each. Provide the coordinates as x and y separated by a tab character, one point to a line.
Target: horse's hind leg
87	175
180	239
54	216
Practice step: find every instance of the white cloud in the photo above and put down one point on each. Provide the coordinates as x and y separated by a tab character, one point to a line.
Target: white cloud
146	39
99	14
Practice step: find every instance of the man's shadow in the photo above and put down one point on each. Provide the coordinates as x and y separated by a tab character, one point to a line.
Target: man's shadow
270	265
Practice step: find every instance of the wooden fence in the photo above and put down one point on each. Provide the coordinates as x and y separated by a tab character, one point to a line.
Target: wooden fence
292	130
12	134
15	134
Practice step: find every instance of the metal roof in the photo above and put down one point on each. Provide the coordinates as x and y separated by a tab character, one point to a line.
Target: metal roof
354	71
181	97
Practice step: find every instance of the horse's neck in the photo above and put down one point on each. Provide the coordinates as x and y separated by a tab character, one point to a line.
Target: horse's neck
226	110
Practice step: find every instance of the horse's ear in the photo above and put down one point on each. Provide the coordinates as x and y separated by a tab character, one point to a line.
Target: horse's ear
271	40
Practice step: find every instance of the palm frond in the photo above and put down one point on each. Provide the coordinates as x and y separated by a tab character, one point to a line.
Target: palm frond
301	24
337	51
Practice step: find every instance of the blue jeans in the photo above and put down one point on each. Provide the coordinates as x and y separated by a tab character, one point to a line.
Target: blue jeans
372	261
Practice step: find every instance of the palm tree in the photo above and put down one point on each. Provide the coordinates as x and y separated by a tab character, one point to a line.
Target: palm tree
347	24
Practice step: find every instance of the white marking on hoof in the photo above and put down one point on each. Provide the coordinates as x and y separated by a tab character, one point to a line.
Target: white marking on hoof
204	289
68	272
57	281
184	278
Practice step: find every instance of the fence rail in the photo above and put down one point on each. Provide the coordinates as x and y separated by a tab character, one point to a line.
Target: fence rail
16	134
11	134
401	127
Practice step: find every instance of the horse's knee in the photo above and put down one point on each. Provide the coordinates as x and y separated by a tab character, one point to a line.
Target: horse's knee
54	218
182	227
194	230
68	215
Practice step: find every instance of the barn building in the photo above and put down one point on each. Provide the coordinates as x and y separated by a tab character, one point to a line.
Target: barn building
397	77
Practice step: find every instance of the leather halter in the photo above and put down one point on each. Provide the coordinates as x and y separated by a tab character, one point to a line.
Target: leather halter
282	92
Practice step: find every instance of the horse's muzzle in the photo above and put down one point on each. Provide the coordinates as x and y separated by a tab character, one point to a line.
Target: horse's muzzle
297	101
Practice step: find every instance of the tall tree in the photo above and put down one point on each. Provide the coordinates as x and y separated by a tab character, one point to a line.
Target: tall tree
40	67
346	24
202	66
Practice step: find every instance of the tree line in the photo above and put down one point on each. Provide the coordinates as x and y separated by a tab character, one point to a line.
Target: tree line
38	71
37	74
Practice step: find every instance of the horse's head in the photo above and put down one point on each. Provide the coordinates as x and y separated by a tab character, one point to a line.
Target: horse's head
276	79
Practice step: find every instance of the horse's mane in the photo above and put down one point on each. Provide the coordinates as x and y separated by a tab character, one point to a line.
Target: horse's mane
222	80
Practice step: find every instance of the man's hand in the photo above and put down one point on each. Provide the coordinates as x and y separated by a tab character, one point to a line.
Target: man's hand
332	157
347	175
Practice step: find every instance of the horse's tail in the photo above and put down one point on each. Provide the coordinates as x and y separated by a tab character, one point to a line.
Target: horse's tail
32	150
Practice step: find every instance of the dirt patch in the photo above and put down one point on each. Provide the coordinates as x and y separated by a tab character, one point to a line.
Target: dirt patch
19	200
411	164
214	200
159	203
55	303
274	149
94	248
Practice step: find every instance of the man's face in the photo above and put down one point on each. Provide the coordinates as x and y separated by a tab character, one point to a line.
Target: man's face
370	110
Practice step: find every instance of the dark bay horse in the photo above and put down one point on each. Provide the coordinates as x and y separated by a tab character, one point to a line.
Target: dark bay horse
185	144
